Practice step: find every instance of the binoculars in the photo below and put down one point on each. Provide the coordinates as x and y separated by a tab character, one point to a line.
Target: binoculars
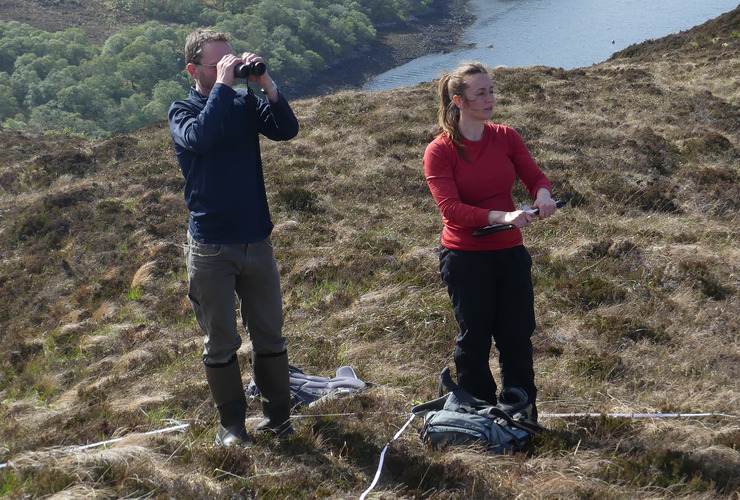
246	70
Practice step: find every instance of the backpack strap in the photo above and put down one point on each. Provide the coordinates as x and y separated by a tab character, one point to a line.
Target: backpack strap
495	413
445	382
519	421
463	397
513	400
513	410
433	405
528	425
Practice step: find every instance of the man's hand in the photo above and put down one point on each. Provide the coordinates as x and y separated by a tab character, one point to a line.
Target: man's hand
263	80
225	69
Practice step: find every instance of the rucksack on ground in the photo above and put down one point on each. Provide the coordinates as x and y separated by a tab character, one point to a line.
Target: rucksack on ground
458	419
308	389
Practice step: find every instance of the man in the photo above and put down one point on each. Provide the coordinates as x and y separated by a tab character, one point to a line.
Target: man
216	136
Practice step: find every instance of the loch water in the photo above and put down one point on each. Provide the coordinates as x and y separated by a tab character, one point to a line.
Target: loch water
556	33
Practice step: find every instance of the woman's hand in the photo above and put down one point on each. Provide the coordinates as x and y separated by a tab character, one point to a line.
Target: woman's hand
545	204
519	218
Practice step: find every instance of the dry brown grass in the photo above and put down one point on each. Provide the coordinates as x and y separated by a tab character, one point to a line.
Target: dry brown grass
636	282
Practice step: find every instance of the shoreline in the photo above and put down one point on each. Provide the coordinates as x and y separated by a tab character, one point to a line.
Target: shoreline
438	31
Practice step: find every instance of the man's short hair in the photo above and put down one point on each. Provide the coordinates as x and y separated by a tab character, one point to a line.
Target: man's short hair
197	39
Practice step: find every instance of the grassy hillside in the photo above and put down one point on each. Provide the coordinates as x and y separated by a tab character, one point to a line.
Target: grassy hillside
637	294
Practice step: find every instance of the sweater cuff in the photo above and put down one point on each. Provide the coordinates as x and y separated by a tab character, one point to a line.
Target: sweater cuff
221	88
481	217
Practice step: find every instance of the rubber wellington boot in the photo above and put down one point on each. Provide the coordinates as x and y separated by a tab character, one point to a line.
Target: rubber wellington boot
225	382
272	378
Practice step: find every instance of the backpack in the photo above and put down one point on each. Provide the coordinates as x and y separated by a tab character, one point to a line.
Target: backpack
308	389
459	419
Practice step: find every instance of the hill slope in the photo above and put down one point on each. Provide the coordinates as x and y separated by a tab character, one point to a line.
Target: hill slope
97	18
636	284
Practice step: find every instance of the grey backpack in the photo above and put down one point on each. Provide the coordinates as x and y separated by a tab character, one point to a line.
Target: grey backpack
458	418
308	389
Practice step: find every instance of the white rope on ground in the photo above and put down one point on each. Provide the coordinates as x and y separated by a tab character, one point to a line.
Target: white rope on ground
111	441
382	457
314	415
635	415
116	440
172	429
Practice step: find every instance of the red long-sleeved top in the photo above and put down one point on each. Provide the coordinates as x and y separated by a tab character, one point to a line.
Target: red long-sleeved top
465	191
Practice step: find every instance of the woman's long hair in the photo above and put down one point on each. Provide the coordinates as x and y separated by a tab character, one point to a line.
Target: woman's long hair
452	84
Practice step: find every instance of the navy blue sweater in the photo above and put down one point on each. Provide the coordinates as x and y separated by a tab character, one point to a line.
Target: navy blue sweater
217	145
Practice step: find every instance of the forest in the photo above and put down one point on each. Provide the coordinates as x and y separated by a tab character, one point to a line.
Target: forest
61	82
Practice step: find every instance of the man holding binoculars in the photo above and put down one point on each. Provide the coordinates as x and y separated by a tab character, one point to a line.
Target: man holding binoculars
228	250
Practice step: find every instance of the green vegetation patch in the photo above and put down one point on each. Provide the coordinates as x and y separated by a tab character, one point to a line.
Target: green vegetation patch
62	82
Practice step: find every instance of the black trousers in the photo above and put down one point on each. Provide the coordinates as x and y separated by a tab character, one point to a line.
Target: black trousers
493	300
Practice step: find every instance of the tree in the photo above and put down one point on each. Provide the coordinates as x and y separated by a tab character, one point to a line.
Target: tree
8	103
133	113
47	117
139	71
93	96
165	93
20	81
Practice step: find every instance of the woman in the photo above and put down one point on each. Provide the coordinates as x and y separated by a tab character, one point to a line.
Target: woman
470	168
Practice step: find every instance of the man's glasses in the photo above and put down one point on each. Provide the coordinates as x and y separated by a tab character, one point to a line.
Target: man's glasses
207	65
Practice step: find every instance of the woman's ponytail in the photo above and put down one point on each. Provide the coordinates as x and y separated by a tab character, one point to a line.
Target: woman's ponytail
450	85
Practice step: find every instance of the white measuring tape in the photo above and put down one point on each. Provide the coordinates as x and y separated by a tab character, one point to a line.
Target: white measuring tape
554	415
111	441
382	457
174	428
635	415
408	422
